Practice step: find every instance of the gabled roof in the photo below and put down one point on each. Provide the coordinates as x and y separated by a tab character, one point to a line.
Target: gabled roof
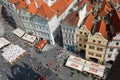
101	27
88	21
105	8
81	3
20	4
45	12
42	9
60	6
72	19
31	8
115	1
115	20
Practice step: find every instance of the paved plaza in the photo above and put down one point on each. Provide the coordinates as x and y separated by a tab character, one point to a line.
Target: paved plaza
34	63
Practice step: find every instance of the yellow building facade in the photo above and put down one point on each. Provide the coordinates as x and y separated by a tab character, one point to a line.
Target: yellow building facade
97	43
82	37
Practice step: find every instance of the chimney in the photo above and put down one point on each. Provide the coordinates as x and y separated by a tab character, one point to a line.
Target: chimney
36	4
28	2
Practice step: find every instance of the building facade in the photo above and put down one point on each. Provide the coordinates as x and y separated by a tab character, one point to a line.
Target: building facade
69	26
97	43
12	11
83	32
113	49
42	18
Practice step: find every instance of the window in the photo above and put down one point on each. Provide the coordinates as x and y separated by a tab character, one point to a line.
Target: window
93	40
85	40
99	41
80	32
80	44
111	49
80	39
117	43
109	55
99	49
84	46
90	53
98	55
91	47
85	34
66	41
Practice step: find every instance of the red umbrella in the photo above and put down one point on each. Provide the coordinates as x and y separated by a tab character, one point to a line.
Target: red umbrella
42	78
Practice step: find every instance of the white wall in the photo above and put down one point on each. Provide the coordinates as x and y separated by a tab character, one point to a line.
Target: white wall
53	24
82	14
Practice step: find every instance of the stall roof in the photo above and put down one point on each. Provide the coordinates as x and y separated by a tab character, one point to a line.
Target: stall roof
41	44
94	68
12	52
18	32
75	62
29	38
3	42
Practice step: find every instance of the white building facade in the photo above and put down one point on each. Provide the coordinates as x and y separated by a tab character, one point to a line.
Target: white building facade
69	27
113	49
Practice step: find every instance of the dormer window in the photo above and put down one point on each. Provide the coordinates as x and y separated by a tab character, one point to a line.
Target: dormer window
117	43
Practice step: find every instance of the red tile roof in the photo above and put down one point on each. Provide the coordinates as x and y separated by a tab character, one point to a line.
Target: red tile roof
31	8
101	28
88	21
115	1
60	6
105	8
115	20
45	12
81	3
72	19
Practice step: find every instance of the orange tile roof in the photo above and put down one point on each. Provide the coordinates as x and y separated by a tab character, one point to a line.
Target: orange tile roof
88	21
21	4
60	6
104	11
101	27
105	8
115	1
115	20
45	12
32	8
72	19
12	1
81	3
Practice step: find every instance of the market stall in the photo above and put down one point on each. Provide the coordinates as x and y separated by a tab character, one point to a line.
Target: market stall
18	32
75	62
29	38
94	68
3	42
12	53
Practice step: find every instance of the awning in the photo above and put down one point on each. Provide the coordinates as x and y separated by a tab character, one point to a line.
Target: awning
41	44
94	68
18	32
12	53
75	62
3	42
29	38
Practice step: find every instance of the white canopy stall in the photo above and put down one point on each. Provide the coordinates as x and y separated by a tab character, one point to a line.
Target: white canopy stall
3	42
29	38
94	68
75	62
18	32
12	53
